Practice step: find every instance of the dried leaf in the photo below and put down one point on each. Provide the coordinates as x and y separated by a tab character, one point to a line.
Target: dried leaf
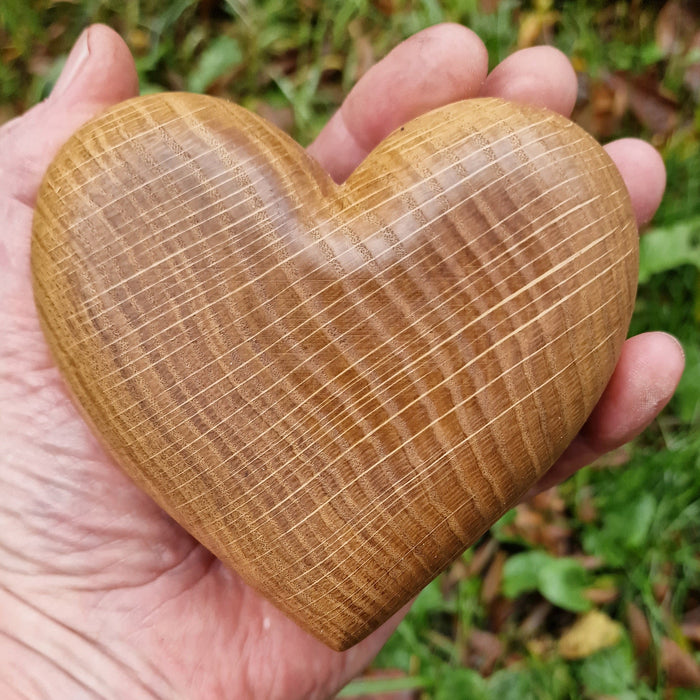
555	538
40	64
590	633
691	76
456	572
139	40
533	25
7	112
492	581
482	556
363	50
484	651
528	524
488	7
675	25
691	625
548	501
586	510
661	590
654	110
682	671
640	632
281	117
500	613
541	646
386	7
657	113
589	561
602	115
536	619
602	596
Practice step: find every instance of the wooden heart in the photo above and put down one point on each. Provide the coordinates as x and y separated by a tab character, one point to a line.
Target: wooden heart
336	389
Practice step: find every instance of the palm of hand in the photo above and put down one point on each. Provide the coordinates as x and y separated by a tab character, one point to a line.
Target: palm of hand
101	594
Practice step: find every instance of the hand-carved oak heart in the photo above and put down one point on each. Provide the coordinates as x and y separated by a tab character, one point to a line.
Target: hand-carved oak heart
335	388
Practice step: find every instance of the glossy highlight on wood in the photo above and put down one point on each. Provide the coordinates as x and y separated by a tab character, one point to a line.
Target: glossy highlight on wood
336	389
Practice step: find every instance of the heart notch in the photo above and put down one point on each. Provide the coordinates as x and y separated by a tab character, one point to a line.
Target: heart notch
335	388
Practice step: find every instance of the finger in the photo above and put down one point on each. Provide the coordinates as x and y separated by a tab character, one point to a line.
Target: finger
544	77
98	73
644	174
437	66
644	380
540	76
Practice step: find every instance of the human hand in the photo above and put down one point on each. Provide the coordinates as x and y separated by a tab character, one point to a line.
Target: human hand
102	594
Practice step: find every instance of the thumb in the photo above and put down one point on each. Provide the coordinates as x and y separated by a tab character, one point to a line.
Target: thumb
98	73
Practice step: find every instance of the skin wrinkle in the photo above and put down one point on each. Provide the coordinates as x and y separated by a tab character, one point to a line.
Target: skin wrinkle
41	380
58	481
458	82
26	172
82	539
94	643
231	684
21	557
186	573
33	649
17	693
48	660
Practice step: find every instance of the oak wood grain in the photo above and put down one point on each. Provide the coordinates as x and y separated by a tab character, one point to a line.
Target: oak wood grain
336	389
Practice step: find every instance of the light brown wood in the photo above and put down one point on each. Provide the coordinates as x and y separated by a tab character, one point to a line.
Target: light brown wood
336	389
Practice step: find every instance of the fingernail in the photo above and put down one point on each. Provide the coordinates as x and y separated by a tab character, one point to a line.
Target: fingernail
74	64
677	342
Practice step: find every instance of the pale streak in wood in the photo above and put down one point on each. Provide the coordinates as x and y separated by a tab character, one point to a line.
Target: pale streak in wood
335	389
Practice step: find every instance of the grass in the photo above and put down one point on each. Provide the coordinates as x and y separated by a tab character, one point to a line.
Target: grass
621	537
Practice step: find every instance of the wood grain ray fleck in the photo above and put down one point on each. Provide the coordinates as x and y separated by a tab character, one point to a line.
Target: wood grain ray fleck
334	388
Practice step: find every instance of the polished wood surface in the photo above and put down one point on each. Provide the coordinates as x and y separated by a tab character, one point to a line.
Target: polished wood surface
336	389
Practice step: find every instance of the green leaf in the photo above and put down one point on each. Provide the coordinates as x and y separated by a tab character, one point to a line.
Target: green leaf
609	671
499	528
43	83
21	21
374	686
222	54
429	600
563	582
625	530
666	248
687	395
686	694
462	684
510	685
639	519
650	53
408	640
521	572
